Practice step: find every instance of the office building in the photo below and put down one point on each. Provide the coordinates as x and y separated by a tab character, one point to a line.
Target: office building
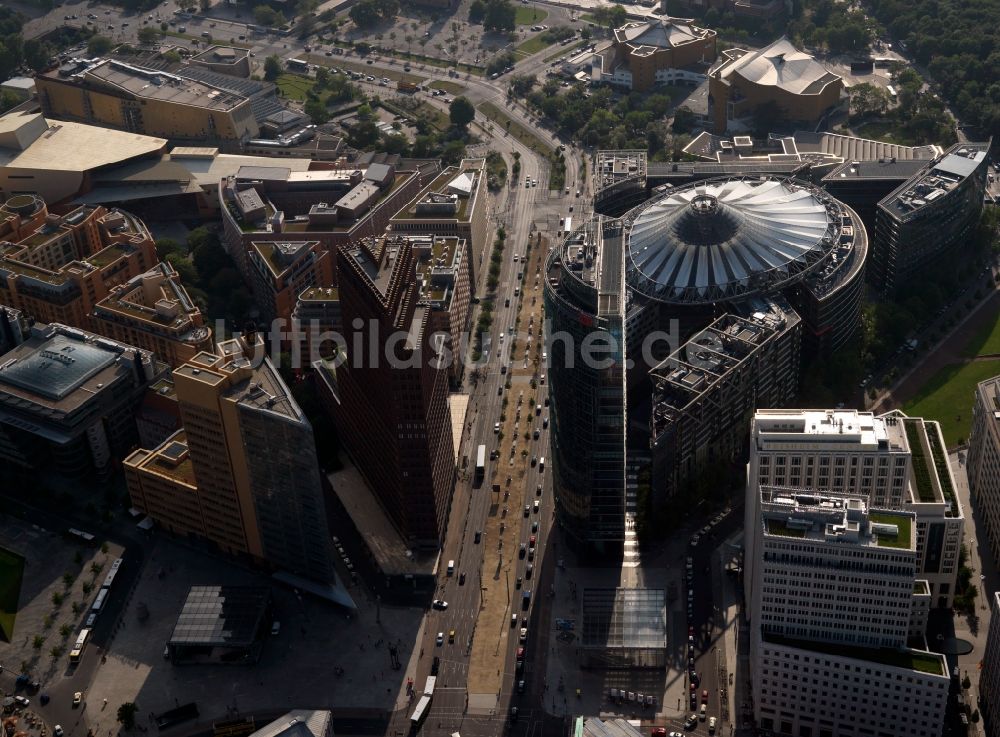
55	159
153	102
68	399
697	247
444	270
830	585
586	299
57	268
281	270
983	463
153	311
890	461
243	472
779	75
14	328
861	185
453	205
989	676
317	318
705	393
389	395
334	207
644	54
929	219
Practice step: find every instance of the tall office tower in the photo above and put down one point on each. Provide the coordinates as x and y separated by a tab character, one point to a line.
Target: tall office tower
930	217
389	398
989	677
834	592
243	471
585	307
891	461
983	465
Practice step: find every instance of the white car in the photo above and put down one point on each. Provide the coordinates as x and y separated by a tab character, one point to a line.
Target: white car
440	638
22	701
711	725
275	627
524	634
439	604
77	698
57	731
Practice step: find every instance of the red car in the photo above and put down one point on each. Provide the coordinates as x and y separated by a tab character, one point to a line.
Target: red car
704	696
693	688
658	732
520	653
531	541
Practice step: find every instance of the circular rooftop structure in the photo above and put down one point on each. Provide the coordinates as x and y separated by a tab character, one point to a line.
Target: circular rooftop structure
725	239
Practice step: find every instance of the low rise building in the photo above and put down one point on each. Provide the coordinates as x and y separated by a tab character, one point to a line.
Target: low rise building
153	311
57	268
224	625
54	160
644	54
231	60
68	399
793	82
129	97
454	204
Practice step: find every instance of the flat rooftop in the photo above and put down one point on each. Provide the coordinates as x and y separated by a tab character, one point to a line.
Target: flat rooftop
937	180
849	427
464	187
834	518
906	658
152	84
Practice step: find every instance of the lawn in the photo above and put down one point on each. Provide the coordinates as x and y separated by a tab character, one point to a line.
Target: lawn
947	397
517	130
883	131
533	45
294	86
206	42
986	342
11	574
444	84
528	15
365	69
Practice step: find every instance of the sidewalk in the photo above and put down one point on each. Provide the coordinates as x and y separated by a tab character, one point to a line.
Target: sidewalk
735	659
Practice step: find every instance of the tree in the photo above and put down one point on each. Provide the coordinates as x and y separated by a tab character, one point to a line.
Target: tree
317	111
272	67
205	5
172	56
867	98
500	16
126	714
461	112
264	15
37	54
477	11
148	36
684	120
98	45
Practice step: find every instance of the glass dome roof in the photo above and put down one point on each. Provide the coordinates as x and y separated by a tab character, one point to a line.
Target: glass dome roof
725	239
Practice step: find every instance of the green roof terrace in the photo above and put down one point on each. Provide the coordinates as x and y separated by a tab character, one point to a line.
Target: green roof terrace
906	658
904	524
779	527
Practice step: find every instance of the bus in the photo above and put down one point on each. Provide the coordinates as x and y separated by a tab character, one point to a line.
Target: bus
480	465
429	686
81	536
81	643
568	227
99	600
110	578
420	713
298	65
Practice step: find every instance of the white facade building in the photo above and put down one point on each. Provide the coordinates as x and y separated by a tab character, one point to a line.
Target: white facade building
833	592
983	465
989	677
890	461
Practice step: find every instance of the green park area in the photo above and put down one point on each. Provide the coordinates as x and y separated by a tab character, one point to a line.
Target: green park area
947	396
529	15
11	574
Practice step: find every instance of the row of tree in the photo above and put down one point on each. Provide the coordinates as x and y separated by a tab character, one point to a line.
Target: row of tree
497	16
370	13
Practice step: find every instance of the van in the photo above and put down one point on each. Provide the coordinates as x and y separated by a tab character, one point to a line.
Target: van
451	568
541	464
